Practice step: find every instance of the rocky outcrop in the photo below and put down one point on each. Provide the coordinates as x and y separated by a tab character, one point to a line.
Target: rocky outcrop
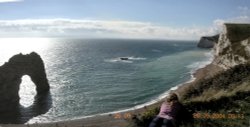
233	46
208	41
12	72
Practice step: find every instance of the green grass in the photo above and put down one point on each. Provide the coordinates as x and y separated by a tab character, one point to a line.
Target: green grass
222	101
237	32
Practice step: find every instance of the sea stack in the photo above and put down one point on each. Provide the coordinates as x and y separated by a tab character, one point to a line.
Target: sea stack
11	76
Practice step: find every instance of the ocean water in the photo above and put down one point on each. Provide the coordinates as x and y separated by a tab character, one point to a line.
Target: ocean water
87	76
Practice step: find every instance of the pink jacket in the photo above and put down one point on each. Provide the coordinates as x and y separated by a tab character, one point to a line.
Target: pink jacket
169	111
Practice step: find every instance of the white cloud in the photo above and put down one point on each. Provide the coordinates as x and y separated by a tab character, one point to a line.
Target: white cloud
218	23
98	28
108	28
244	17
7	1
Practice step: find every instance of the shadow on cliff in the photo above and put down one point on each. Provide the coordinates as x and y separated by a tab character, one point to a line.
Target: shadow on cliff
20	115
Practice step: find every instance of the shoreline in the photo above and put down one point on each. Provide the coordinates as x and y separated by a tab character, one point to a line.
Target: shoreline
121	118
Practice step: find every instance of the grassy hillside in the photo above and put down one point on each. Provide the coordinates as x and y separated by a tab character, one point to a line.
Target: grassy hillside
237	32
219	101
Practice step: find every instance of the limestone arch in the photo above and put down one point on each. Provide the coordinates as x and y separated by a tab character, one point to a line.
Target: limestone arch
13	70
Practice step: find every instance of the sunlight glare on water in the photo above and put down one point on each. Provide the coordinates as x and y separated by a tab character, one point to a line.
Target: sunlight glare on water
27	91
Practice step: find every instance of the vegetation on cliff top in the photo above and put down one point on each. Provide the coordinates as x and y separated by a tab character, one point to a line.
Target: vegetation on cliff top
237	32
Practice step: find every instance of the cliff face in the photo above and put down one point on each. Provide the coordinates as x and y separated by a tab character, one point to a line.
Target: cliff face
208	41
12	72
228	90
233	46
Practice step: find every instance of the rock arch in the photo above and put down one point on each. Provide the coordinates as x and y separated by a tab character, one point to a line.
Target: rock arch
10	78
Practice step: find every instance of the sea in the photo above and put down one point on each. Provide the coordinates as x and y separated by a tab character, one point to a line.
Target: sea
91	77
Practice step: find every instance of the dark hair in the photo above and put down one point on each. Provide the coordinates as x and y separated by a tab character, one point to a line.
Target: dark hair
172	97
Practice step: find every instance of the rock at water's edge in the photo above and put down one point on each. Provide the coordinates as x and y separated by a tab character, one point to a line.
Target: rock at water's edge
208	41
11	73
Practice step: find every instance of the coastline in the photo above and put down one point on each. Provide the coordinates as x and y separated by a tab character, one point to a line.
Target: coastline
122	118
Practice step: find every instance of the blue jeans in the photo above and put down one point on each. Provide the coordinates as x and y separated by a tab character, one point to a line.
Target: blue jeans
161	122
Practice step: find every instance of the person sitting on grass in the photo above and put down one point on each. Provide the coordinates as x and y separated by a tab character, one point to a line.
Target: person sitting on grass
170	113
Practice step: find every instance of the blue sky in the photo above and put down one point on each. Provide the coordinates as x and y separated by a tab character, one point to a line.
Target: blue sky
153	18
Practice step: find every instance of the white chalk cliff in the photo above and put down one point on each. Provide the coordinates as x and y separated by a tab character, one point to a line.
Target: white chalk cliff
233	46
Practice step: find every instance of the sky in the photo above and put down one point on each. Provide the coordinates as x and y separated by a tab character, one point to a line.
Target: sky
153	19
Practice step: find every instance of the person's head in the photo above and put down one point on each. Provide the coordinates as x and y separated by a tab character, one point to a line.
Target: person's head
172	97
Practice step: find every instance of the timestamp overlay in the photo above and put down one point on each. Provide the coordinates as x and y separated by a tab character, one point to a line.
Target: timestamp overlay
225	119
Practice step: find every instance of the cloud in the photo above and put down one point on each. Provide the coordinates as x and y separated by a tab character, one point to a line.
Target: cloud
244	17
98	28
8	1
218	23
